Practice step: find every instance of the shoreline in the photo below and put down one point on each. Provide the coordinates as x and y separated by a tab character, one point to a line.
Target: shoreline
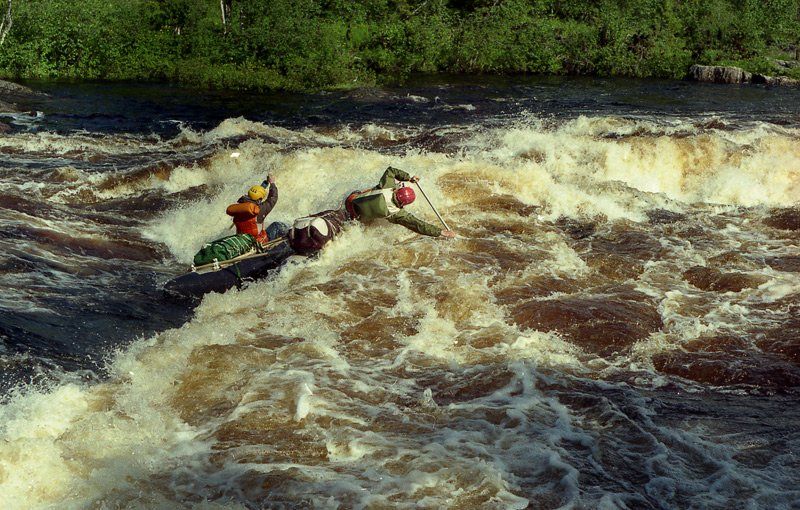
327	47
13	90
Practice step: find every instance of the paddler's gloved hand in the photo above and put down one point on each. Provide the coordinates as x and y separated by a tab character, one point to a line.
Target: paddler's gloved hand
415	178
448	234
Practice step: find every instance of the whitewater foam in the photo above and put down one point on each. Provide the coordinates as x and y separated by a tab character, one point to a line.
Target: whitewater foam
391	370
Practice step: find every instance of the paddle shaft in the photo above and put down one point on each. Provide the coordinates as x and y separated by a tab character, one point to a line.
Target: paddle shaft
432	207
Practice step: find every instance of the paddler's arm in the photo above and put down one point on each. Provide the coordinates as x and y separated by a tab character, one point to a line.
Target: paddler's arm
411	222
269	203
393	174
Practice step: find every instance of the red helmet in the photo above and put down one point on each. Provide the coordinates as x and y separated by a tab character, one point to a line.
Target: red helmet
404	195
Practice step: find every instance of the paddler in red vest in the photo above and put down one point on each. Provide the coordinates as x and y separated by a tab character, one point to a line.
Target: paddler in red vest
250	210
388	200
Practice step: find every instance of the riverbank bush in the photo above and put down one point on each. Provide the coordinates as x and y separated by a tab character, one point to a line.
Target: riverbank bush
314	44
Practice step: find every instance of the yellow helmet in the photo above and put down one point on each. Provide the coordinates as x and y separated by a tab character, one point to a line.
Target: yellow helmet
257	193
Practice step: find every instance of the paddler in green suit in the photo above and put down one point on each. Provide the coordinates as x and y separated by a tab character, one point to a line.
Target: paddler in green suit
387	200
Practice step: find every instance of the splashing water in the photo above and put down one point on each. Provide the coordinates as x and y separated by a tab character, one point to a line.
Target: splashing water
616	325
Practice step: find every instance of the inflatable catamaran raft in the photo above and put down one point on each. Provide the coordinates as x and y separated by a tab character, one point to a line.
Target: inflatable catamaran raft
221	275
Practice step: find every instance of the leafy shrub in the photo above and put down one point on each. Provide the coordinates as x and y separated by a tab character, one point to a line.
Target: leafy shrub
313	44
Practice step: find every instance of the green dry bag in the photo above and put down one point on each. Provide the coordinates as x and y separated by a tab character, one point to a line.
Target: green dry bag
224	249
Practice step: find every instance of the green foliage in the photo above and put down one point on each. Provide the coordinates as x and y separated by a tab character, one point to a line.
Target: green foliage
314	44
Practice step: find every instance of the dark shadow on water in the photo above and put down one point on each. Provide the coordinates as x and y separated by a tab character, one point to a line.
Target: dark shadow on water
80	333
427	100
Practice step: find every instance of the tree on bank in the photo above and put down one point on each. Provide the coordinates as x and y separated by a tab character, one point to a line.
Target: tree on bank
312	44
5	25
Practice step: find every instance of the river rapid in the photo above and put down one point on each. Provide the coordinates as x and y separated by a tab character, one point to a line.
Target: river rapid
617	325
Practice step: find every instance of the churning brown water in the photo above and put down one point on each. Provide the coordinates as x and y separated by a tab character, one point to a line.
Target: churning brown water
617	324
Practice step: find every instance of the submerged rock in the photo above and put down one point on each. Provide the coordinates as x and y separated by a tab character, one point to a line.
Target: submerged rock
723	367
784	219
576	229
788	263
664	217
7	107
711	279
603	324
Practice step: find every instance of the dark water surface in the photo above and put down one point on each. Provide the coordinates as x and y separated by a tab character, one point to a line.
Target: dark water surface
432	101
615	327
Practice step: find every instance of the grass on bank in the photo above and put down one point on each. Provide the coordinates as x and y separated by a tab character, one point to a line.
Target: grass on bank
323	44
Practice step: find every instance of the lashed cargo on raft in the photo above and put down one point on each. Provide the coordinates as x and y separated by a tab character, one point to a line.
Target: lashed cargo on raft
225	249
221	276
244	260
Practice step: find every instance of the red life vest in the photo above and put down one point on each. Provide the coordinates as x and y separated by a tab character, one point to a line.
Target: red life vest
245	216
